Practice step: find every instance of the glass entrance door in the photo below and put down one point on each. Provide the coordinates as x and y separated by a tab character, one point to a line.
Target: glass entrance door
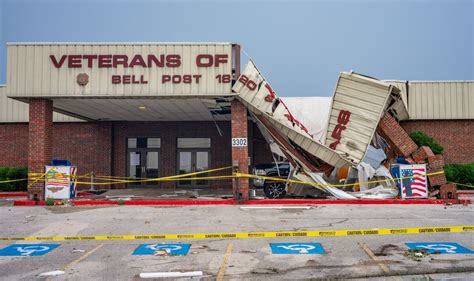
190	161
143	160
143	164
201	164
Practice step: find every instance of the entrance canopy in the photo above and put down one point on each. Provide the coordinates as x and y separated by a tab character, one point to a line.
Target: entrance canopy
121	70
127	81
146	109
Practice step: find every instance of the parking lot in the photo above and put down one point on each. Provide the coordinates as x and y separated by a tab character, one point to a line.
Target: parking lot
251	258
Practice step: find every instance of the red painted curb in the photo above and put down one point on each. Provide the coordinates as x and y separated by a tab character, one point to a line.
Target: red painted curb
184	202
13	194
155	202
357	202
466	193
28	203
94	202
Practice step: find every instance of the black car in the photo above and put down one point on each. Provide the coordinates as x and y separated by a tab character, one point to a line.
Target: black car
273	189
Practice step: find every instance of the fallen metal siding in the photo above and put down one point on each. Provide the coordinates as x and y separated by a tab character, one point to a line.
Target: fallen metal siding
431	100
255	101
13	111
31	73
366	99
402	86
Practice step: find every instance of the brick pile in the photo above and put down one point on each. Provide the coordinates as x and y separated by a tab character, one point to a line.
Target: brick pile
392	132
448	191
421	154
436	164
403	145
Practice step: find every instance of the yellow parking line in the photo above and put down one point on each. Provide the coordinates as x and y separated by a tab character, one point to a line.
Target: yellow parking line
81	258
228	252
374	258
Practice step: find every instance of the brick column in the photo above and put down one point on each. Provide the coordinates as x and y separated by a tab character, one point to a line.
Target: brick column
240	187
40	135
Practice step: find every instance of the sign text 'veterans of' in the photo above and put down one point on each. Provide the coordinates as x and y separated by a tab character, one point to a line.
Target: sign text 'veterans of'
144	61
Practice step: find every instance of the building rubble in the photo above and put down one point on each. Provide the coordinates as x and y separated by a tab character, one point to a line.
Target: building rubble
358	142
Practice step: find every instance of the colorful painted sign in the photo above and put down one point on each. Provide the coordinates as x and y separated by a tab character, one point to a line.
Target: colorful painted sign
297	248
28	250
60	182
440	247
413	183
170	249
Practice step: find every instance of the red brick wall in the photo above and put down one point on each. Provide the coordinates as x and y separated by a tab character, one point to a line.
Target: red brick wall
169	132
86	145
40	132
239	125
456	137
394	134
89	145
14	144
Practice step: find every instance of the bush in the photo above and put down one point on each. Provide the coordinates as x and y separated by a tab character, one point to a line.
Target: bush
460	173
13	173
422	139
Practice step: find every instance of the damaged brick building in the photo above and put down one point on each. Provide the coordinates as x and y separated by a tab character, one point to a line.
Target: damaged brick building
113	119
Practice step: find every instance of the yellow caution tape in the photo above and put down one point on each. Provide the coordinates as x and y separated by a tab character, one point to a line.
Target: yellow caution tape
5	181
40	177
335	185
264	234
120	180
174	176
110	180
462	184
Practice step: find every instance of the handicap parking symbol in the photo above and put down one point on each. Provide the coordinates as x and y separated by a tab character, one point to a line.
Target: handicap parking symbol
297	248
440	247
171	249
28	250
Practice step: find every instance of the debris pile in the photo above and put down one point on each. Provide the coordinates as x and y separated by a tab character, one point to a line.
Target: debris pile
362	152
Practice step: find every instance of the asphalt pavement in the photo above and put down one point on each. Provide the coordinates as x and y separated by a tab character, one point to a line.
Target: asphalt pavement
384	257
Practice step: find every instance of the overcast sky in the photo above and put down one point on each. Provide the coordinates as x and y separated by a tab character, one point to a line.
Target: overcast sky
300	46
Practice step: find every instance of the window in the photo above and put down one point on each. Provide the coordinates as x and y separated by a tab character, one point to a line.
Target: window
194	143
144	143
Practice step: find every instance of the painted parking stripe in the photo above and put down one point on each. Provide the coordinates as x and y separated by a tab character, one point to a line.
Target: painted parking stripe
28	250
440	247
170	249
297	248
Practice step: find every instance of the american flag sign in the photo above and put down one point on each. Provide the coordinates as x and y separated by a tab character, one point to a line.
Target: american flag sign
413	183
